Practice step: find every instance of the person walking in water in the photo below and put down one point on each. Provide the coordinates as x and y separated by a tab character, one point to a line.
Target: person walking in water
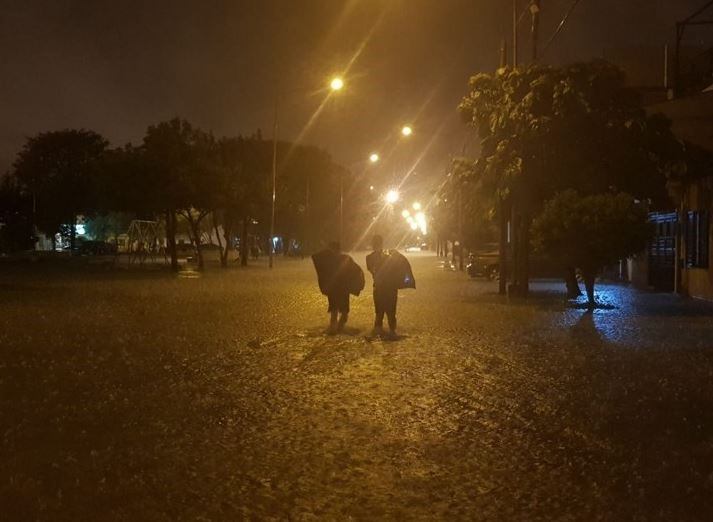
390	271
338	276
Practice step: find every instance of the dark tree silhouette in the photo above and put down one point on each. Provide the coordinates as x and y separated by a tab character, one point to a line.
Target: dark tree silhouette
244	165
183	162
15	217
590	232
545	130
56	169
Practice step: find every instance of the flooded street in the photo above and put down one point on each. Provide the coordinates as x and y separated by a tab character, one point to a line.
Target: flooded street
219	397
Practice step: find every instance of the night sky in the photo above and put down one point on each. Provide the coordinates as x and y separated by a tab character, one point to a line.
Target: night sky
118	66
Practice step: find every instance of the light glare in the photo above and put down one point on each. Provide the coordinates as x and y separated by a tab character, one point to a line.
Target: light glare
336	84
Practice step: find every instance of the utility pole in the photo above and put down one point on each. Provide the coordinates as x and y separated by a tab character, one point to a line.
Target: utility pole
341	208
535	12
460	225
306	247
514	33
680	29
504	220
271	245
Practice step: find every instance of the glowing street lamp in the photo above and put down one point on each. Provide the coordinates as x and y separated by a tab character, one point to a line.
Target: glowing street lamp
374	157
406	130
421	222
392	196
416	206
336	84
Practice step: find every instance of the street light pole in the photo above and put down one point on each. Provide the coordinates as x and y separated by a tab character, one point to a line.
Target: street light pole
308	229
271	245
460	225
535	30
335	85
341	208
514	33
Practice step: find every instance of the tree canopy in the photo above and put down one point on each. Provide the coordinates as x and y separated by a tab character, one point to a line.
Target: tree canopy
591	232
178	174
15	217
546	129
56	169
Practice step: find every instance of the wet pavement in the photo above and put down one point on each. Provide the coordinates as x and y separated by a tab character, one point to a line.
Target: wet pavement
136	395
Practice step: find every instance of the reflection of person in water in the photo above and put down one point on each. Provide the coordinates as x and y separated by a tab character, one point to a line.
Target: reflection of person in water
386	288
338	276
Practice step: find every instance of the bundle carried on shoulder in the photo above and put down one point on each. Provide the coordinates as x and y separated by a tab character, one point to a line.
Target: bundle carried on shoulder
395	272
337	273
354	276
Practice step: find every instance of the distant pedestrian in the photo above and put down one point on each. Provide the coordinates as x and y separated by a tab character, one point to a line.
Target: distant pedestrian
391	271
338	276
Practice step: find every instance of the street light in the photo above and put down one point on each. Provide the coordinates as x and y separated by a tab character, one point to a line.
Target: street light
336	84
406	130
421	222
416	206
373	159
392	196
271	244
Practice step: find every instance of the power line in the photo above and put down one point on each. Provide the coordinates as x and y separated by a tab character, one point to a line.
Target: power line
560	26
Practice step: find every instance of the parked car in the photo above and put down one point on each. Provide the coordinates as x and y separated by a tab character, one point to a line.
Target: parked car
417	247
484	263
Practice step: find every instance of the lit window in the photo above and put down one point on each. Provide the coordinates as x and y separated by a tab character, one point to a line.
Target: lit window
697	244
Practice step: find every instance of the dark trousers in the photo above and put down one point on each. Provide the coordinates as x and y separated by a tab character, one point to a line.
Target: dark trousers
385	303
338	302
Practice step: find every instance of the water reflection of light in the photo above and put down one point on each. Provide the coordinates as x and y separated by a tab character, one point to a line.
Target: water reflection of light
624	318
189	273
607	322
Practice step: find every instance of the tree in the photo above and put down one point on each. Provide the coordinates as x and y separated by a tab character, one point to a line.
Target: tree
244	170
183	162
55	169
123	190
105	225
308	194
448	210
591	232
200	182
125	183
15	217
545	130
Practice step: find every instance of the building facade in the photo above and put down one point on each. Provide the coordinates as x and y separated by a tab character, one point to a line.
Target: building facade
692	192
